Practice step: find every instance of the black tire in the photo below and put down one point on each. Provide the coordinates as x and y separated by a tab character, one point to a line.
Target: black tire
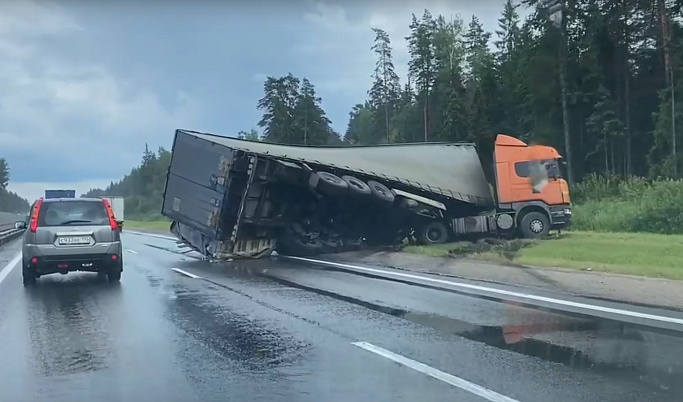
534	225
114	275
381	192
29	276
330	184
357	186
433	232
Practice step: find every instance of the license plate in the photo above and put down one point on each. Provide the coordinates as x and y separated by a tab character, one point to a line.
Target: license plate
74	240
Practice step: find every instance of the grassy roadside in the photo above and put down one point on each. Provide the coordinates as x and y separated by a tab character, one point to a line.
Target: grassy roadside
154	226
643	254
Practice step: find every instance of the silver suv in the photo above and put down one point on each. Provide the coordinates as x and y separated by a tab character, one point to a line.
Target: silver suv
71	234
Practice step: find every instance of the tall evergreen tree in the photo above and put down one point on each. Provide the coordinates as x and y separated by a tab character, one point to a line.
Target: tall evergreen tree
386	87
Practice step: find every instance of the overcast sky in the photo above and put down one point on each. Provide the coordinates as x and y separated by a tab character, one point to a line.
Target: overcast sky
85	84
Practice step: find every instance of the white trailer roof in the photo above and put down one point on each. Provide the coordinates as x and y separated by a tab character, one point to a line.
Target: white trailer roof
451	169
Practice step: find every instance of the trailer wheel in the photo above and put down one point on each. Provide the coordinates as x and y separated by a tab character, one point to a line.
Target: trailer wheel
535	225
434	232
357	186
381	192
328	183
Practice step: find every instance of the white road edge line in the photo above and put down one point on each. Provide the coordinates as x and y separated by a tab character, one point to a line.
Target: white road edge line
180	271
159	236
9	267
526	296
132	251
435	373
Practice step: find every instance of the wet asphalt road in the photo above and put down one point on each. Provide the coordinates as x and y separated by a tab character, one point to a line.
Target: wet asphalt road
274	331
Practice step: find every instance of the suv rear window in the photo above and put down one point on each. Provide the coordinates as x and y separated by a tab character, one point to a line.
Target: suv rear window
77	213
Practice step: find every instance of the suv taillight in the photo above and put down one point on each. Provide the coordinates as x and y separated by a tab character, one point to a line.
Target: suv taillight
35	215
110	213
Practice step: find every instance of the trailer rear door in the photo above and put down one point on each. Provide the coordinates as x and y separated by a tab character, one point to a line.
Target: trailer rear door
195	183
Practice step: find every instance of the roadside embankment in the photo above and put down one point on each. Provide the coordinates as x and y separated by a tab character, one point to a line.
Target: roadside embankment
635	268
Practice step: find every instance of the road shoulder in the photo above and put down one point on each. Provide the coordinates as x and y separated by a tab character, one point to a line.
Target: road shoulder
653	292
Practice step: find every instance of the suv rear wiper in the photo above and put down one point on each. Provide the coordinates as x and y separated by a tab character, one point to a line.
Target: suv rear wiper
76	221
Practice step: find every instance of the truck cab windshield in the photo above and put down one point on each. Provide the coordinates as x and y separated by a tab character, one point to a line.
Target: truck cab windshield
552	167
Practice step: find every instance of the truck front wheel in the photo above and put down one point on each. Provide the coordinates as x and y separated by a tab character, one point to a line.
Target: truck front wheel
534	225
434	232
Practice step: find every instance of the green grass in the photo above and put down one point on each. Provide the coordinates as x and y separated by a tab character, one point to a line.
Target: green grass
157	226
643	254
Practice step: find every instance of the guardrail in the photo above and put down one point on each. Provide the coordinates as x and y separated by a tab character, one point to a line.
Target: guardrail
9	235
6	226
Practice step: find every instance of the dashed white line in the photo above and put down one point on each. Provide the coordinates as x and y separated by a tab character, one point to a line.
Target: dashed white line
527	296
435	373
132	251
9	267
191	275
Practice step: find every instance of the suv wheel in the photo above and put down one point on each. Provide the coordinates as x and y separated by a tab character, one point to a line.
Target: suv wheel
29	276
114	276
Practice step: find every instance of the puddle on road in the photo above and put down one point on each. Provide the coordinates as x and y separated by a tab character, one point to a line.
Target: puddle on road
237	337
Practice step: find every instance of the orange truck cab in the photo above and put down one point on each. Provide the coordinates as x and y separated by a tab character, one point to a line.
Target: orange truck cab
531	193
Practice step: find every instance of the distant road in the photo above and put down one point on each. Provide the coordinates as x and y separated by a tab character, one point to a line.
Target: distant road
7	220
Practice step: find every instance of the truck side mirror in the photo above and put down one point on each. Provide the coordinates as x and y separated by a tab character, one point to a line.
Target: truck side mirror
20	225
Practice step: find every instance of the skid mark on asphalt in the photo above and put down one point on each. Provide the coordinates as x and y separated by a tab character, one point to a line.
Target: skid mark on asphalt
435	373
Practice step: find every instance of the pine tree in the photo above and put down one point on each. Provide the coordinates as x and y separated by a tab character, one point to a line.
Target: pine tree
386	87
422	64
4	173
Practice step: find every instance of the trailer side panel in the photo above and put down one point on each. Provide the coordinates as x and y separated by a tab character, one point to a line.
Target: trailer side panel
452	170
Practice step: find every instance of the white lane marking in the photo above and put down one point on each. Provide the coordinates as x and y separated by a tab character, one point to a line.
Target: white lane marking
180	271
438	374
527	296
132	251
9	267
158	236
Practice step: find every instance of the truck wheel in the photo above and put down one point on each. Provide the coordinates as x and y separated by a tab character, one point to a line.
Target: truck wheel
535	225
381	192
328	183
434	232
357	186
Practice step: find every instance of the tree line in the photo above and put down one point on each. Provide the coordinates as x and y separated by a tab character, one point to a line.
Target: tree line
143	187
597	84
9	201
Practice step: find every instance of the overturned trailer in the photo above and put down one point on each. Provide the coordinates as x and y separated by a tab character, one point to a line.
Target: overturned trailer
232	198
